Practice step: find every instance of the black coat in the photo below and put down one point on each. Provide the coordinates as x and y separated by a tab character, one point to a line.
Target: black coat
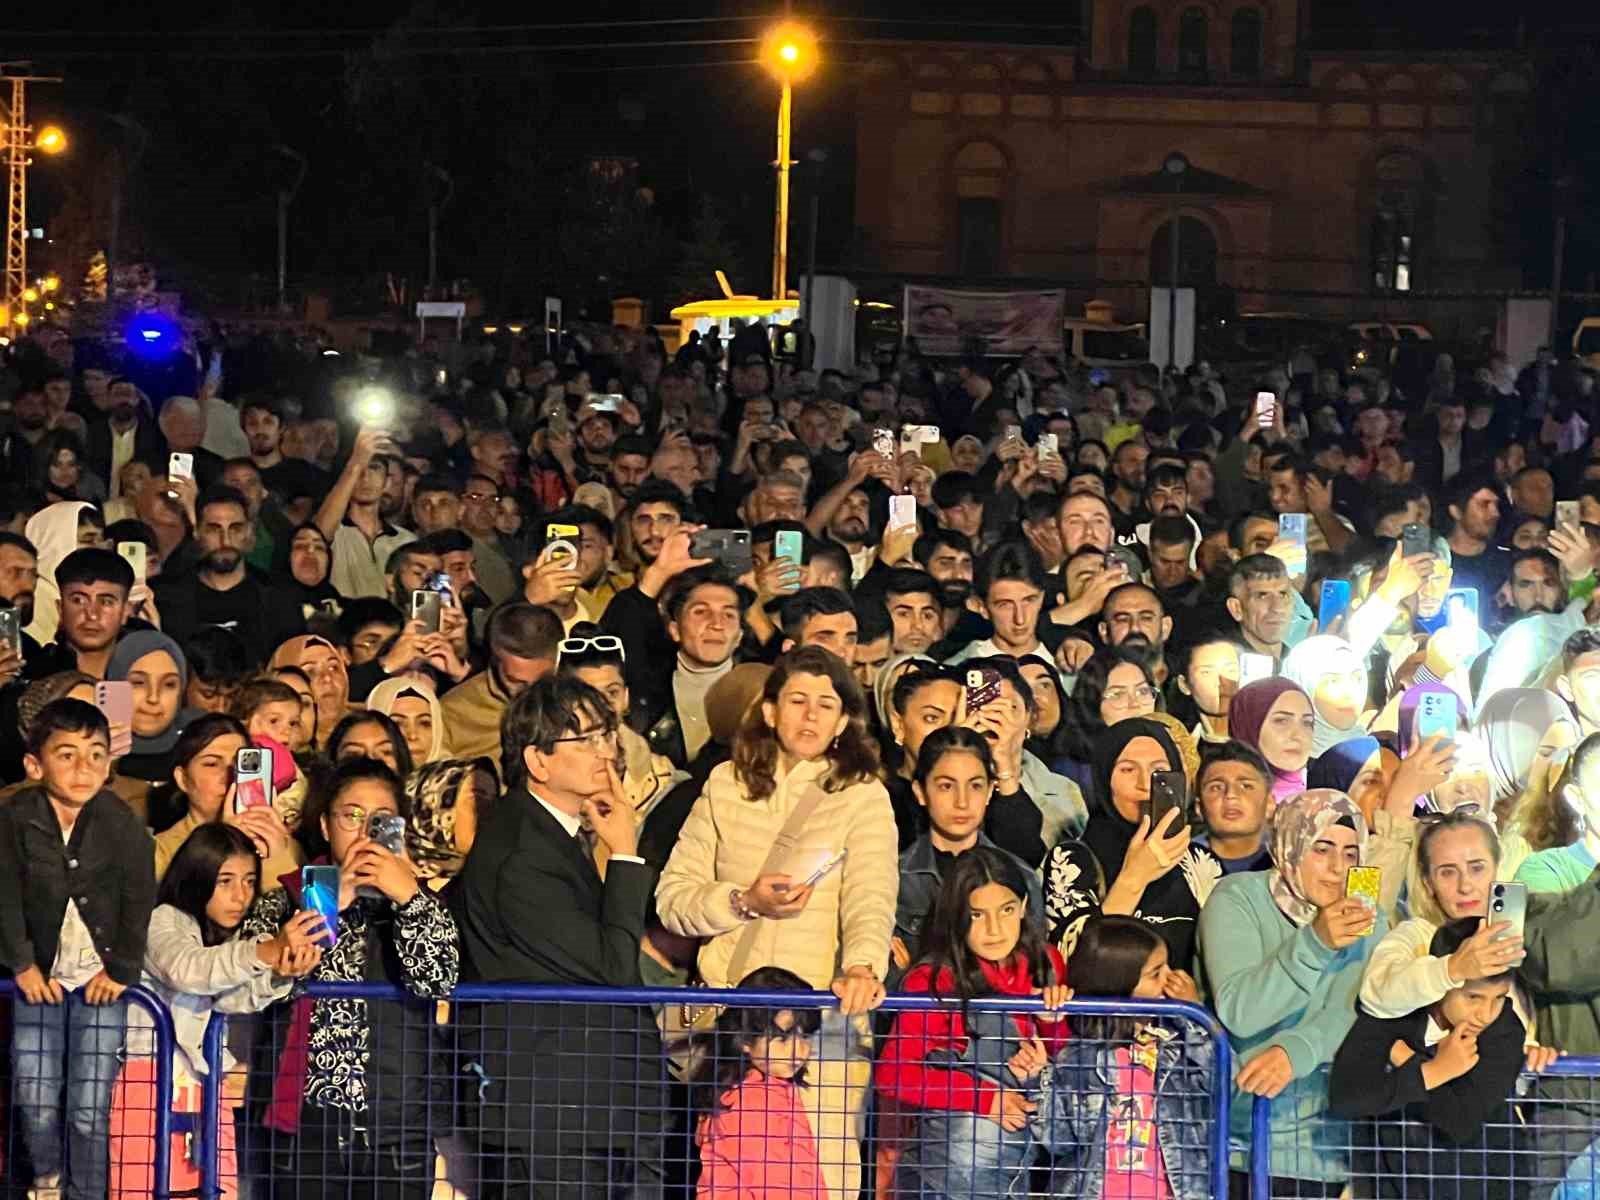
107	866
273	614
531	908
149	446
1452	1141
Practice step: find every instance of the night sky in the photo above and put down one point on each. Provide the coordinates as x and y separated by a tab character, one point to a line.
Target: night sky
216	88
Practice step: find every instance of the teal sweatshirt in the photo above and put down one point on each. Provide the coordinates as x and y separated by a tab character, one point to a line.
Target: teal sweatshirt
1558	869
1275	984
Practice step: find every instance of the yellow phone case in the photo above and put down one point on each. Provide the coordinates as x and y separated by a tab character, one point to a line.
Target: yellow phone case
1363	882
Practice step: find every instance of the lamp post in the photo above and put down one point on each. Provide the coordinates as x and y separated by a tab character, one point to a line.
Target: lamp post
20	143
1175	166
436	204
286	197
789	51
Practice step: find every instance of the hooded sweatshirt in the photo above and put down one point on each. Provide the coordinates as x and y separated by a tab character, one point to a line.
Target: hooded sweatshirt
53	530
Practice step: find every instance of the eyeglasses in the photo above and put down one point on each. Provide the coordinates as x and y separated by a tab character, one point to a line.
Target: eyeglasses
1122	695
1433	816
482	497
596	739
353	818
594	645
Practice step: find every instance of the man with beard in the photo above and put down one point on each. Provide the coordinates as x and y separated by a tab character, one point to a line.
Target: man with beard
1262	602
224	591
125	434
1134	615
30	418
1534	586
490	564
655	513
19	572
262	422
630	464
273	531
1127	479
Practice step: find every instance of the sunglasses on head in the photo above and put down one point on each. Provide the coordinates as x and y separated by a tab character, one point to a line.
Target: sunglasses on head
573	647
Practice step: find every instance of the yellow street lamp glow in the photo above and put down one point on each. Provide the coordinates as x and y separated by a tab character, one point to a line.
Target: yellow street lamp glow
51	283
30	294
48	307
21	319
789	51
51	140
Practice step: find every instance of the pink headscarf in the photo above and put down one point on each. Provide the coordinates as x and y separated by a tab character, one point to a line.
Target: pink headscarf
1247	713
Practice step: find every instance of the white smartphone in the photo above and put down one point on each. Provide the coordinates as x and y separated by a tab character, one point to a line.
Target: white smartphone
902	511
1265	402
137	555
180	466
1049	446
1253	667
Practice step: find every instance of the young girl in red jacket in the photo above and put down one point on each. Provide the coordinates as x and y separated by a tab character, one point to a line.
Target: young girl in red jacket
755	1140
969	1076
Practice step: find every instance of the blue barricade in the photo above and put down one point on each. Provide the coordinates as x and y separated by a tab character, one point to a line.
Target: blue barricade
473	1085
1541	1144
59	1051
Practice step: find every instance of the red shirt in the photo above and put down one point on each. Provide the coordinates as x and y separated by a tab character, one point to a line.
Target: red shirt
902	1071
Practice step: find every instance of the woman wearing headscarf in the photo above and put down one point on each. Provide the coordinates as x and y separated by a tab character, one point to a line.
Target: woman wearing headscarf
310	566
1328	670
448	799
412	704
54	532
1359	767
159	673
1274	717
325	667
1525	732
1120	864
1283	953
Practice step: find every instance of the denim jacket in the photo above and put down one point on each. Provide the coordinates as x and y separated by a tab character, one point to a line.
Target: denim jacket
920	883
1082	1081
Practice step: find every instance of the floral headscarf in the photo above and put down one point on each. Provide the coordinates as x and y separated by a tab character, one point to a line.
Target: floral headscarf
434	790
1296	825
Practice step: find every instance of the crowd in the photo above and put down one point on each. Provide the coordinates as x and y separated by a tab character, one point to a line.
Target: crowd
1277	696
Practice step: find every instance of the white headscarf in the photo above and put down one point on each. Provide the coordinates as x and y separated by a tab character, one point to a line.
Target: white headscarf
53	530
1307	664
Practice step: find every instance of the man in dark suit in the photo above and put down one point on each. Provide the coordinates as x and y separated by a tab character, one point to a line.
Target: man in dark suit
572	1094
126	433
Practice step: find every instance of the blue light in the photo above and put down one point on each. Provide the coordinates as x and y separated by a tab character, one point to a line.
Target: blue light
154	336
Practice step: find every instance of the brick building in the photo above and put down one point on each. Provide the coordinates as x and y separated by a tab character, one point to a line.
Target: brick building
1308	170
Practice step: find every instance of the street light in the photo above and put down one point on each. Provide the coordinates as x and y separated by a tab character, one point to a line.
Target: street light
1176	166
286	196
789	51
51	140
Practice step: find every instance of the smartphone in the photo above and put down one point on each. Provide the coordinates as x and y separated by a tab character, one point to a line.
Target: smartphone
1436	715
388	830
883	443
1508	902
425	606
1168	790
1461	610
252	779
730	547
137	554
1129	560
1292	529
983	685
928	435
902	511
1013	433
319	892
827	868
114	698
1265	403
789	544
1253	667
1361	883
1567	513
555	530
559	424
1049	446
1335	602
11	629
560	548
180	466
609	403
1416	538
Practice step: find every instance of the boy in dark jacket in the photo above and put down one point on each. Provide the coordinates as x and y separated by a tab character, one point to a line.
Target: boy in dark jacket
1444	1071
77	883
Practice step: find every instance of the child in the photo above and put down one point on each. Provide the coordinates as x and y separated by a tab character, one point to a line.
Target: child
77	877
1130	1099
197	963
271	712
953	780
1436	1076
970	1073
755	1140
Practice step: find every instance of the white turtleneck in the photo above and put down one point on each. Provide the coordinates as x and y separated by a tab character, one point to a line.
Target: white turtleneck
689	687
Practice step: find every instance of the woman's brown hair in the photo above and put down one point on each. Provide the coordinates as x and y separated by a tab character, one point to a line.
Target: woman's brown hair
852	756
1542	814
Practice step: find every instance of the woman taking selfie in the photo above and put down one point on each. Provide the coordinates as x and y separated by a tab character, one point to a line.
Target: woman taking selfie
788	859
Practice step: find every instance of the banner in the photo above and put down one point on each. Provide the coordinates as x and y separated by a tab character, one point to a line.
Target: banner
946	322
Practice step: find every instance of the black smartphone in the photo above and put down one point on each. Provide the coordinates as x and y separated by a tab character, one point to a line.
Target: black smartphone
1168	790
1415	539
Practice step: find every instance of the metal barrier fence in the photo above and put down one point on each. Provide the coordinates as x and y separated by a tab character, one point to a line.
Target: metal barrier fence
547	1091
86	1111
1543	1142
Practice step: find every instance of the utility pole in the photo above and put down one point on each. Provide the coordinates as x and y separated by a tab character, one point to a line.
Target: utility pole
286	197
436	205
18	147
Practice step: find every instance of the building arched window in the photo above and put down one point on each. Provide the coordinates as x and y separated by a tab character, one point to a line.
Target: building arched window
1246	44
1193	32
982	171
1142	35
1399	222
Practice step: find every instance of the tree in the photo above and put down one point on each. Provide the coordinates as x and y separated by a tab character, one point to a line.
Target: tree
708	249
